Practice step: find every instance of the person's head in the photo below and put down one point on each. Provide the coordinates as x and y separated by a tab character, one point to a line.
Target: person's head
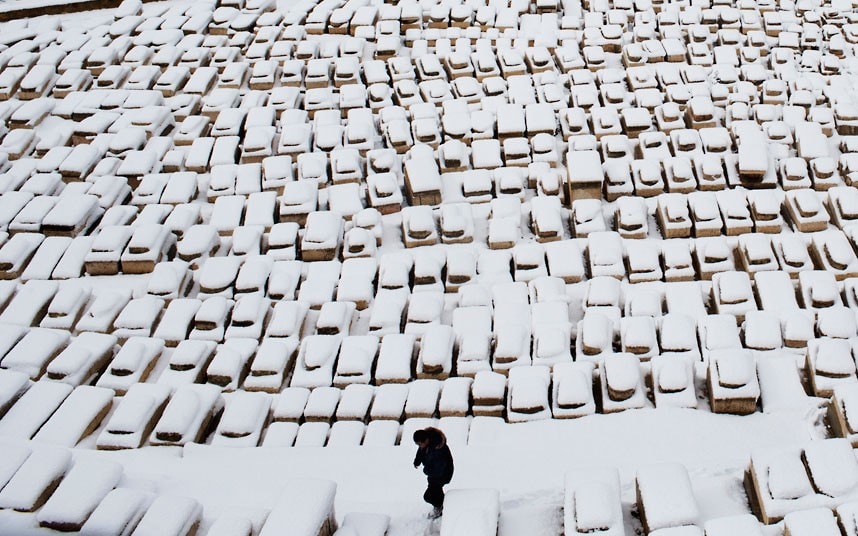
421	438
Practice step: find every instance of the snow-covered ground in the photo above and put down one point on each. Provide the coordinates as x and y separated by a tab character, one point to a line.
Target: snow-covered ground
525	462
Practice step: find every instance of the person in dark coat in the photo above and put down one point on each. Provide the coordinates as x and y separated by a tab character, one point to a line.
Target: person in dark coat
437	461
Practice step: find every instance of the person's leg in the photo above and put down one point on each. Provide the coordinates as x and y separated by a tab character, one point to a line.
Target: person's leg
434	493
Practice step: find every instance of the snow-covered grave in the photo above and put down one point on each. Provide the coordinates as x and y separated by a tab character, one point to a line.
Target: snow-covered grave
304	507
85	485
375	217
781	481
470	511
592	502
665	498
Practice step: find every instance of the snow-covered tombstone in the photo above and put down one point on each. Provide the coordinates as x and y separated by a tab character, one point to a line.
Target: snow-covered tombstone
187	363
17	252
287	319
335	318
762	331
595	339
806	211
138	317
230	363
198	243
104	257
832	467
211	318
572	390
471	511
356	359
244	416
732	382
187	415
735	524
396	358
665	498
177	321
832	251
424	311
673	216
86	356
829	365
565	260
638	336
364	524
170	514
248	316
79	494
605	254
455	397
591	502
132	364
732	294
705	214
435	357
169	280
488	392
528	394
12	386
818	289
217	276
322	237
422	400
314	366
305	507
816	521
778	483
148	245
673	382
281	241
621	383
32	353
322	404
418	226
33	408
118	512
135	416
546	219
36	479
780	385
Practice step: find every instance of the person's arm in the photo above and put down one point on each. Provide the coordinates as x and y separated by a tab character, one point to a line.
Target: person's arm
418	457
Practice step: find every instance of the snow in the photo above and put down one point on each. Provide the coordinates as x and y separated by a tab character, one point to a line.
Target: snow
78	495
470	511
833	467
134	414
813	521
592	502
662	312
42	468
739	524
75	416
169	515
34	407
33	352
118	513
666	496
186	412
304	507
242	420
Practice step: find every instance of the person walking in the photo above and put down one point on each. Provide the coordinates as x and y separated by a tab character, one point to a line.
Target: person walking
437	461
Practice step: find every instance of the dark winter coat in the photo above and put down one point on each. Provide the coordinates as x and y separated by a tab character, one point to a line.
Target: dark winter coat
436	458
